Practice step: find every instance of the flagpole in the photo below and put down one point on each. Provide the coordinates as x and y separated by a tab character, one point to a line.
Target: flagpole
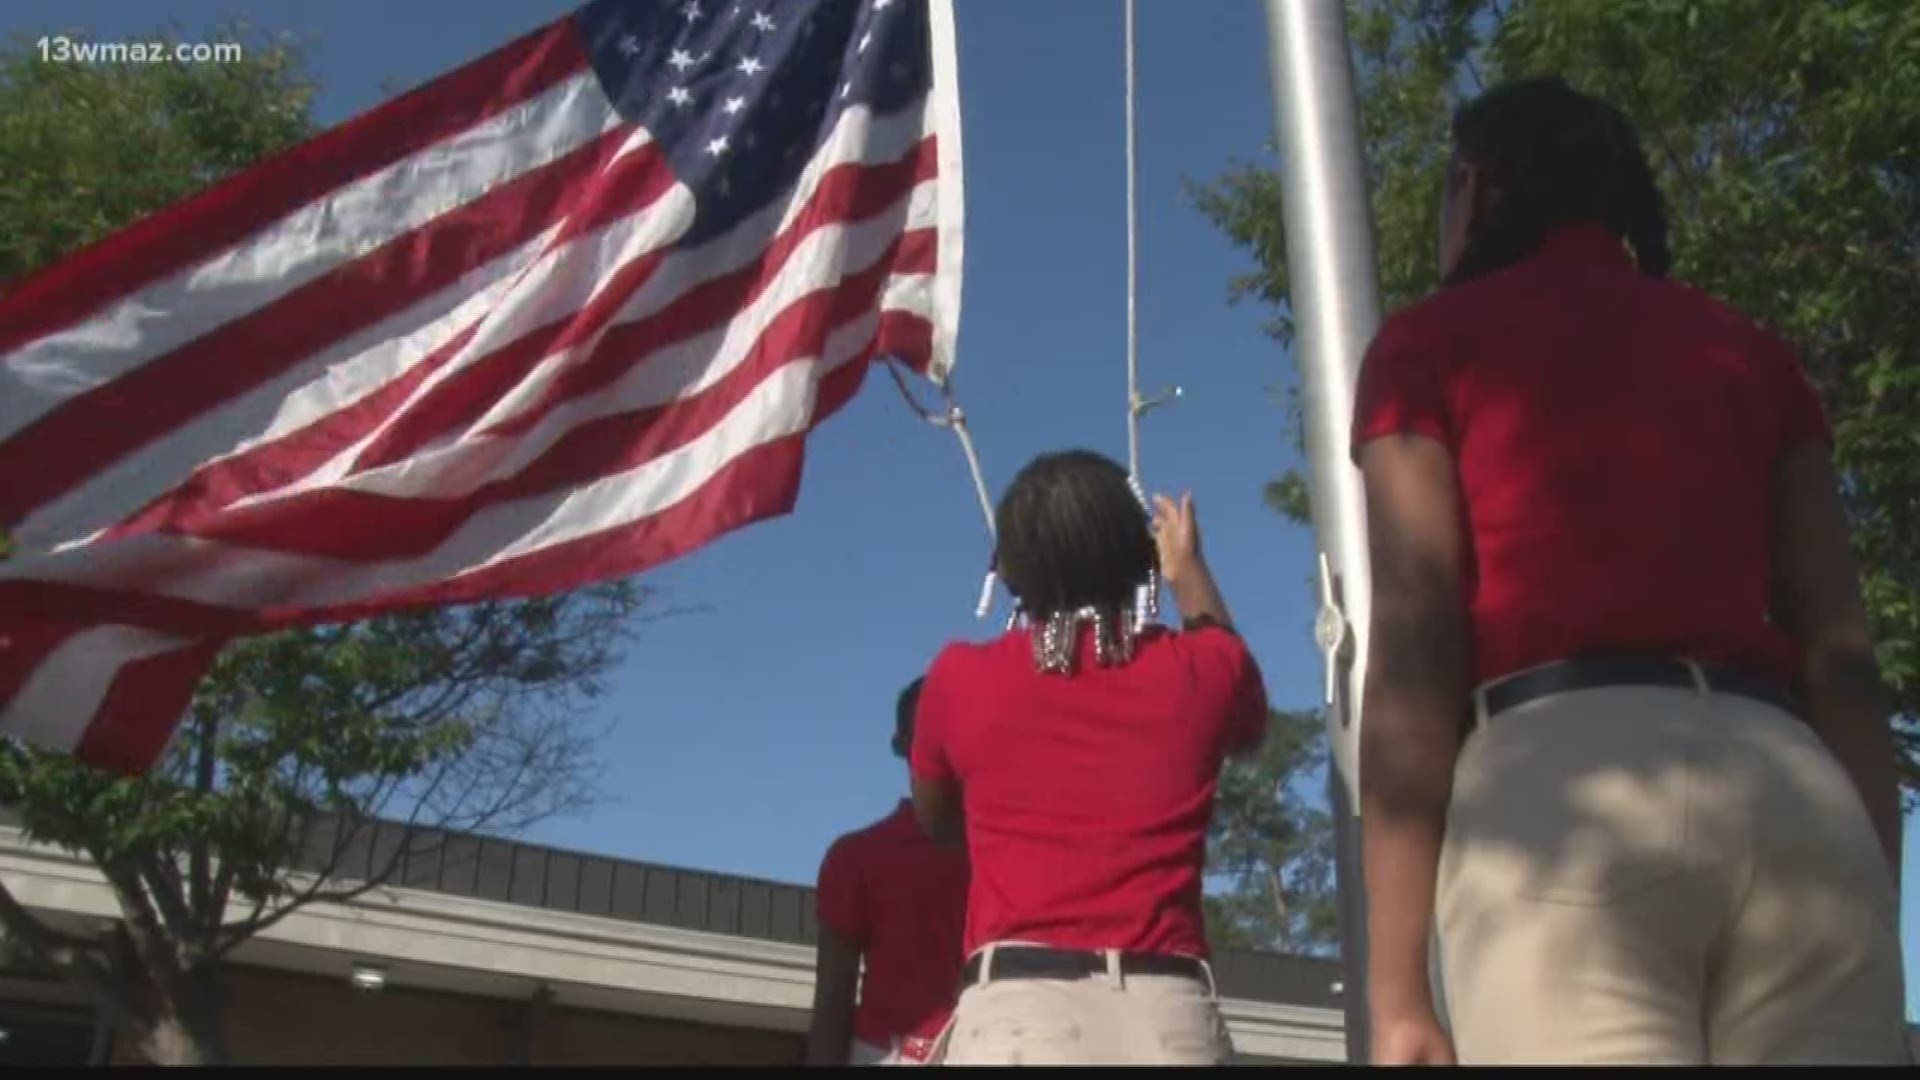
1335	303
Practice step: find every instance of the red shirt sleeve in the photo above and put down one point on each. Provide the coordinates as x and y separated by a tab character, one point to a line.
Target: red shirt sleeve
1401	390
838	902
1230	678
1805	417
931	758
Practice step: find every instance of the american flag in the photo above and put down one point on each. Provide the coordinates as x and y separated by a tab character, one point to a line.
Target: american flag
558	316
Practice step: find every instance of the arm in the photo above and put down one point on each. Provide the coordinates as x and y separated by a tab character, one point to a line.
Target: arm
938	807
1176	533
836	980
936	783
1416	694
1817	602
1197	597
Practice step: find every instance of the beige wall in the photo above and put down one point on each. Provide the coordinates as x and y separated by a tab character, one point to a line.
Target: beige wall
285	1019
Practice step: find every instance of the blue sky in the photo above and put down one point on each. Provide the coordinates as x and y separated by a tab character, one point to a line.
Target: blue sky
749	735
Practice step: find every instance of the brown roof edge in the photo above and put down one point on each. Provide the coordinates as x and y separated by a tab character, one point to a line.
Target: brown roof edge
554	879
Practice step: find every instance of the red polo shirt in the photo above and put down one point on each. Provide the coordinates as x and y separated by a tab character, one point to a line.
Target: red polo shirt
1615	437
901	898
1087	797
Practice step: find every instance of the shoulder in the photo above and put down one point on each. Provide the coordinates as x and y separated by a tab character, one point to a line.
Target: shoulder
1210	653
848	849
960	664
1424	340
1439	317
841	864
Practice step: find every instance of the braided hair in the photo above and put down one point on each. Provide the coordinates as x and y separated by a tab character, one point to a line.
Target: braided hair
1558	157
1072	535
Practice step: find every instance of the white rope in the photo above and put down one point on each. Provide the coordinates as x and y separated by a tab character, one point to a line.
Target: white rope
1134	404
953	419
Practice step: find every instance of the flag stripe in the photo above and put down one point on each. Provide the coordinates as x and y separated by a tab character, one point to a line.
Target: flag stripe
62	680
220	484
350	402
368	526
275	577
653	372
846	194
144	702
590	289
100	425
193	230
173	311
757	483
334	379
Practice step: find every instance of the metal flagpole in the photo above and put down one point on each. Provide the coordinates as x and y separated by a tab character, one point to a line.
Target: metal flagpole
1335	302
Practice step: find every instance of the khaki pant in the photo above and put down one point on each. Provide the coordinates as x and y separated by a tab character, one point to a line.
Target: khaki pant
1105	1020
1640	875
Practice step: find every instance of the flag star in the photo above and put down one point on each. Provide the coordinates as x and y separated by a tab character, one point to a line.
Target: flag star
681	60
881	5
763	23
734	105
750	66
691	10
846	88
866	39
679	96
630	45
717	146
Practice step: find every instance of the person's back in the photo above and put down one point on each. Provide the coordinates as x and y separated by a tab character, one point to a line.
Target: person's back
1088	798
892	900
1623	751
899	898
1618	423
1081	753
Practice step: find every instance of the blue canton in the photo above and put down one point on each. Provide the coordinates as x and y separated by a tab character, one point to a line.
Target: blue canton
740	96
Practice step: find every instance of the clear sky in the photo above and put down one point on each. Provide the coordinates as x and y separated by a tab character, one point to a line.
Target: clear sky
748	735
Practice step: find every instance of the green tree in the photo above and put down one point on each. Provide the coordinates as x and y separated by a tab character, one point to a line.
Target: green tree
1270	846
312	764
1787	143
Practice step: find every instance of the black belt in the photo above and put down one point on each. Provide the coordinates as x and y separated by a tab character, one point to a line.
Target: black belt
1023	962
1596	674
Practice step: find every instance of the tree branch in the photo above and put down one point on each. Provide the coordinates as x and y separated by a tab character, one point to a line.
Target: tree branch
200	873
159	873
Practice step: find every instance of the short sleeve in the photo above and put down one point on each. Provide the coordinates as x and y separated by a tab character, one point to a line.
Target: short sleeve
1804	417
931	758
1401	390
837	896
1230	677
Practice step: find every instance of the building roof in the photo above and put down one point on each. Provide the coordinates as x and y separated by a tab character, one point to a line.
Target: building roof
552	879
536	876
